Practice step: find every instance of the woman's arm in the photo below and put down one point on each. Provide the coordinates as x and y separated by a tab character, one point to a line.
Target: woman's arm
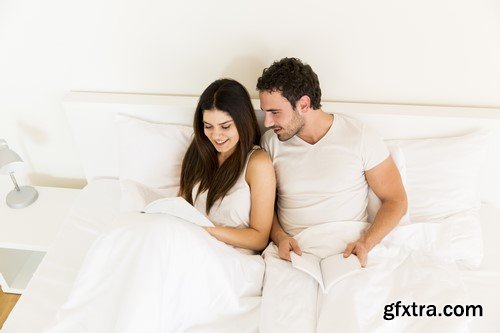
261	178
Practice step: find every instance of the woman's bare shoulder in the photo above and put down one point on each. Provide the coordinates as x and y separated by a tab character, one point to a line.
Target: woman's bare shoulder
259	165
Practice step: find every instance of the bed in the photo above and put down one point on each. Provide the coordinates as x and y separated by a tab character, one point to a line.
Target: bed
92	118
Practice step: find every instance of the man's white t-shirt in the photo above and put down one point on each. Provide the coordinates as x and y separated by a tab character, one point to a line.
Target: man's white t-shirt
324	182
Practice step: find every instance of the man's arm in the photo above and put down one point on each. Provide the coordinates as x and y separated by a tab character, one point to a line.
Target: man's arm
385	181
283	241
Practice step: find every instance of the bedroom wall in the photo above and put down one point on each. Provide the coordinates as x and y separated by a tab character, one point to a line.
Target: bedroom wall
418	52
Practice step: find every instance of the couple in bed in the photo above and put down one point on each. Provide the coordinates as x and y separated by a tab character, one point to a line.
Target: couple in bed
181	277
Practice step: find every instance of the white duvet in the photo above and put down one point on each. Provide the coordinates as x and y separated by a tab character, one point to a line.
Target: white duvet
415	264
159	273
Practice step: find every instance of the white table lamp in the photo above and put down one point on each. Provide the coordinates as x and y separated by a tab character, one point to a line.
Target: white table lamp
10	162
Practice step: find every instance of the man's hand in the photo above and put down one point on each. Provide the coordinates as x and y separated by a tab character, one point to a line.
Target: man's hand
287	244
360	248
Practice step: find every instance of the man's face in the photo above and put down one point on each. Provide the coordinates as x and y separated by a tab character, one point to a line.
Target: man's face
280	115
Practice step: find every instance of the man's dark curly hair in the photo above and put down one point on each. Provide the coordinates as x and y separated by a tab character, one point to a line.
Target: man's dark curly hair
293	79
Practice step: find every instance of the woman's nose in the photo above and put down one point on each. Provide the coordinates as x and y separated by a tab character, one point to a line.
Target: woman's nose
216	134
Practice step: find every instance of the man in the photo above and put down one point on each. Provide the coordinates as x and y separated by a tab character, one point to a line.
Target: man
324	164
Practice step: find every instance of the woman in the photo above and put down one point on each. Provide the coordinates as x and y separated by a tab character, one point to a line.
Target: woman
224	173
159	274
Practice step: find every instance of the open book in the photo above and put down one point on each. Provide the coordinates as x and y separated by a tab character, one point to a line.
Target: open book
178	206
327	271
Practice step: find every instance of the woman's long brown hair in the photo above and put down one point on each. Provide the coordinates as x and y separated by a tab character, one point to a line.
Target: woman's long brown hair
200	163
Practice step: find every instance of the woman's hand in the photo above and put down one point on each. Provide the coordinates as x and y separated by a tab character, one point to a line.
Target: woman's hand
212	231
208	229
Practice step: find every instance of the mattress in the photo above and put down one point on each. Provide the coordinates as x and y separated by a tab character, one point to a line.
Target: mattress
94	212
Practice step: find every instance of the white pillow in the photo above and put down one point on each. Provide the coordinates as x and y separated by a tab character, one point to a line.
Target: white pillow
150	153
374	202
442	175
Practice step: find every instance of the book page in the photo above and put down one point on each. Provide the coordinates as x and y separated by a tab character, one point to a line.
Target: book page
309	264
336	267
178	206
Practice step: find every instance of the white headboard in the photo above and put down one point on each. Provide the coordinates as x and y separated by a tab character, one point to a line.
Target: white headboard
91	117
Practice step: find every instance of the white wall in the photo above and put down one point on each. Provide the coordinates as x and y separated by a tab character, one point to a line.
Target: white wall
393	51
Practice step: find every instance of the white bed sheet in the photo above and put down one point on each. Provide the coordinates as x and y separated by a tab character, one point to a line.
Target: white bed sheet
483	284
94	213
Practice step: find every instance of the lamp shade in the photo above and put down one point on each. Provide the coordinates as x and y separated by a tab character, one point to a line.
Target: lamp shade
10	161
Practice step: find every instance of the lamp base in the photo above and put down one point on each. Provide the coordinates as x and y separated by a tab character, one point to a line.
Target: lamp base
22	198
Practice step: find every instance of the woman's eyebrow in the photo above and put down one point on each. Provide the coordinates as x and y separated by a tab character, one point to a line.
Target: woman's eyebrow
225	122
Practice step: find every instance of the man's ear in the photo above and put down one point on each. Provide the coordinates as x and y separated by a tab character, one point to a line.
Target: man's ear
304	104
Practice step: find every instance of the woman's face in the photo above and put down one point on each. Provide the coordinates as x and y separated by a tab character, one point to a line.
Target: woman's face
220	129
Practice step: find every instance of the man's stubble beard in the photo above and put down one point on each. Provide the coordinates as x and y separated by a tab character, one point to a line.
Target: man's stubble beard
296	125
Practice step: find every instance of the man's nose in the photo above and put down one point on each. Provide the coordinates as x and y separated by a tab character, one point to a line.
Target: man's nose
268	120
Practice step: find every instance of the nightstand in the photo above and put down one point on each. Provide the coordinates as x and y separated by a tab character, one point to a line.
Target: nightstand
27	233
